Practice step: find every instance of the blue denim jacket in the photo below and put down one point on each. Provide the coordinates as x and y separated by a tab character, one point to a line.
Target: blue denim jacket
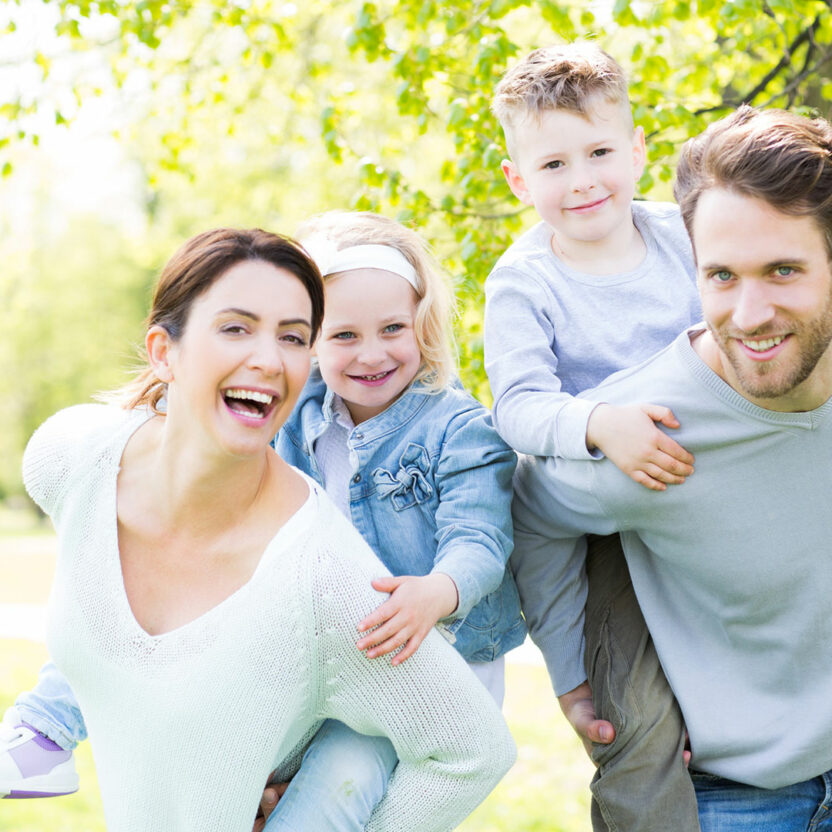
431	491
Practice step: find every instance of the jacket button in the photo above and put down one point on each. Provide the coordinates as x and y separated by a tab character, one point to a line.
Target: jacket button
357	478
358	435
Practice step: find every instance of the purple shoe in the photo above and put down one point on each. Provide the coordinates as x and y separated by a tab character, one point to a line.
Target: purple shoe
31	765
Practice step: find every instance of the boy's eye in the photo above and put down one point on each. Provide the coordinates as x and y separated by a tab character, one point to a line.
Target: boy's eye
391	328
553	165
602	151
784	271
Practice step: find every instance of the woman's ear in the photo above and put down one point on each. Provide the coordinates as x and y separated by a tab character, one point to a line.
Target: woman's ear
159	346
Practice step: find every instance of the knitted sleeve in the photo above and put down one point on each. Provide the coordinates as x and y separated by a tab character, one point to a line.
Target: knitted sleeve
62	448
451	740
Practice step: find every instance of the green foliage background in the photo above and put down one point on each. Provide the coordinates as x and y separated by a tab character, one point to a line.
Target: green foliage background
261	112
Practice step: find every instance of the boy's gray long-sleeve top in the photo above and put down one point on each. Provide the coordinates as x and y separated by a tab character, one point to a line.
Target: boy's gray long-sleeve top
732	569
551	331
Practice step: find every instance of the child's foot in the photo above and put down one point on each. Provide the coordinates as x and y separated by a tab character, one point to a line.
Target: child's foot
31	765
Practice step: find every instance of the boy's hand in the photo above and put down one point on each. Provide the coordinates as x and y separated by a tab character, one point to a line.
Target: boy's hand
579	711
415	605
629	437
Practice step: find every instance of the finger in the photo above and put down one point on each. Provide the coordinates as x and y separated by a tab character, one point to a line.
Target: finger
672	448
670	465
408	650
259	825
390	645
387	583
647	481
600	731
269	798
383	612
686	758
663	415
659	473
380	634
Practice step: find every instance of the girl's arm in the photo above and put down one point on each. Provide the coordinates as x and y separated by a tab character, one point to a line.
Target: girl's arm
452	743
474	539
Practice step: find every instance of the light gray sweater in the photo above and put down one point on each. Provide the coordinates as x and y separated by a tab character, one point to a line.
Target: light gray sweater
552	331
732	569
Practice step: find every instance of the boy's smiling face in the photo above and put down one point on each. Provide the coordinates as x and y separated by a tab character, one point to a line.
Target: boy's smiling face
579	172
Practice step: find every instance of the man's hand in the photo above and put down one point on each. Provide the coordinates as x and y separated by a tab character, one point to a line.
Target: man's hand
415	604
629	437
271	796
578	709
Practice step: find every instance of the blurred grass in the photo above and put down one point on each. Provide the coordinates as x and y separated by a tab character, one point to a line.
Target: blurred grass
546	791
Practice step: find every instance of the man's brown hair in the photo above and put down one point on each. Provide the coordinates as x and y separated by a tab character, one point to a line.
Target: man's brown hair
773	155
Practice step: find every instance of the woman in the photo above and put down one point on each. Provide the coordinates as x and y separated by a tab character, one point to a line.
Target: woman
206	592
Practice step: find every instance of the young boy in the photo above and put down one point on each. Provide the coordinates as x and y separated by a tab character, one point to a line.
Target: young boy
600	284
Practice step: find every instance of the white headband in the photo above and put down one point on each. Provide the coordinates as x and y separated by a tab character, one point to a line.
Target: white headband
330	259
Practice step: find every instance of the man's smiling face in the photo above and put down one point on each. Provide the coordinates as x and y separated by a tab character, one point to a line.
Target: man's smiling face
766	288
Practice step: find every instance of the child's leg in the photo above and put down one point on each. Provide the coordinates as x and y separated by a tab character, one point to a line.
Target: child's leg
51	709
493	676
342	777
641	784
36	740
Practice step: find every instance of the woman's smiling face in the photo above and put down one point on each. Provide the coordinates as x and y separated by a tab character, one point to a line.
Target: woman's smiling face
243	357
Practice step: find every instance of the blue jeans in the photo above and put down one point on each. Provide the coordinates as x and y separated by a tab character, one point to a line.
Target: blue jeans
727	806
342	777
51	709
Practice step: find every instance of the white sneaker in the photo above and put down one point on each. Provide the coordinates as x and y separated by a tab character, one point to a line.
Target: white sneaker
31	765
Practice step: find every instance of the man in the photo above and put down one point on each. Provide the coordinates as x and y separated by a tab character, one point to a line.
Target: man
732	569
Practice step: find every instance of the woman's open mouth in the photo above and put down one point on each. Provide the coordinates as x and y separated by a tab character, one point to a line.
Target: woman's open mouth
249	404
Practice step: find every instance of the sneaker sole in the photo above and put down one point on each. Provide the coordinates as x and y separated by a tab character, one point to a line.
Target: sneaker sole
62	780
21	795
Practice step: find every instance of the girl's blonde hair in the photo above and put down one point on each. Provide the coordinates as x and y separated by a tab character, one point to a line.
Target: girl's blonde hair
434	309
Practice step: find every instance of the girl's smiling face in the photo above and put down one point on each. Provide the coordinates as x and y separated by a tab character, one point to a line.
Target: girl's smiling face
367	351
243	356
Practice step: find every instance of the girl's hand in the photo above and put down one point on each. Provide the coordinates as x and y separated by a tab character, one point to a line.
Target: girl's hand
415	604
629	437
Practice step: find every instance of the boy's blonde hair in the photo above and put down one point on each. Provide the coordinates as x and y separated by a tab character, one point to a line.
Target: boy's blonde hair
568	77
434	310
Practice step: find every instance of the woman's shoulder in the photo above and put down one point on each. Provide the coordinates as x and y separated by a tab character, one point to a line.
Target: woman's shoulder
68	443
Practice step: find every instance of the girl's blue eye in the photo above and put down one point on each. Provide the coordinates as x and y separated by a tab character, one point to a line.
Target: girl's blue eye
343	336
393	328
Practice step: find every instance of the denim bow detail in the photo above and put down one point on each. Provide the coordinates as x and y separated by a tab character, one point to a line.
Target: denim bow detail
409	485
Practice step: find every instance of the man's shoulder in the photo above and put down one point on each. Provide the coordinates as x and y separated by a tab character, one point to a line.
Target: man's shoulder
657	378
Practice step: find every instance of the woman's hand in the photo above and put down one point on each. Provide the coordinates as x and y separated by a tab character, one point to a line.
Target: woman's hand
415	604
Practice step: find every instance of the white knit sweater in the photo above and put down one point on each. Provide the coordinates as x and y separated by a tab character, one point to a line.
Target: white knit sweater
186	726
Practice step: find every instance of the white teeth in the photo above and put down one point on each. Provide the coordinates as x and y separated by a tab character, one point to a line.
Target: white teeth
762	346
251	395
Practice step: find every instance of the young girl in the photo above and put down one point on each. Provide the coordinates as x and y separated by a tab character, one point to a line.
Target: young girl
417	466
414	462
